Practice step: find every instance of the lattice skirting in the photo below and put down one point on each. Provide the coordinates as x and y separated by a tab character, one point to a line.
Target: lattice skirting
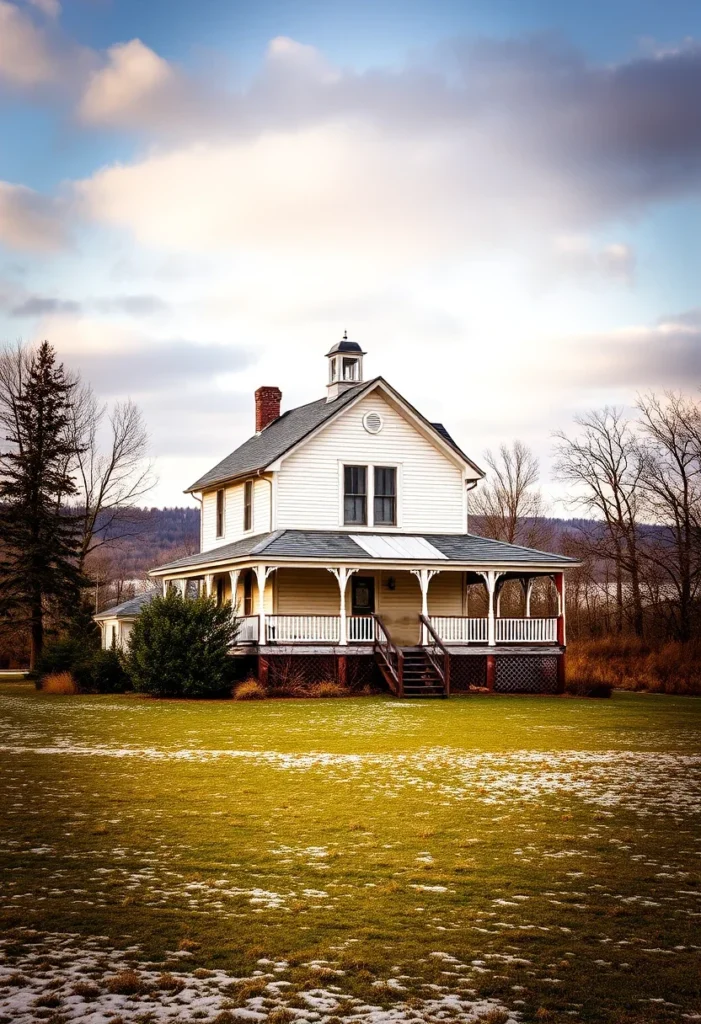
467	671
525	674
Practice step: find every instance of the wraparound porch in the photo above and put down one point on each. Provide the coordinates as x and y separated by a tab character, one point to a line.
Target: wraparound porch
412	602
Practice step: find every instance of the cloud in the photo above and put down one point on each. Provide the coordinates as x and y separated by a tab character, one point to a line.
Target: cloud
133	86
51	8
577	257
29	220
27	57
503	145
36	305
666	354
119	360
21	304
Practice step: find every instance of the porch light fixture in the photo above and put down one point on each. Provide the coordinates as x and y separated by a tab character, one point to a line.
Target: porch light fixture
391	583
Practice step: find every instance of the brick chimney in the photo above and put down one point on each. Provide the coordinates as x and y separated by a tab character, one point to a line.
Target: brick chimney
267	406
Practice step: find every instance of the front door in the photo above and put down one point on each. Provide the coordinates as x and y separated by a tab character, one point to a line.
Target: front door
362	595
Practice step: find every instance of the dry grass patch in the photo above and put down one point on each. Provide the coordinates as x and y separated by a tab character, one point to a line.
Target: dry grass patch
126	983
250	689
86	989
327	688
59	683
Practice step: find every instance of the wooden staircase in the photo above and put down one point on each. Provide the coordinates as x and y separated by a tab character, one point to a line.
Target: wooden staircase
413	671
421	677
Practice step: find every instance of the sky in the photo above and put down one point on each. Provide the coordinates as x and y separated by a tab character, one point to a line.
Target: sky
499	199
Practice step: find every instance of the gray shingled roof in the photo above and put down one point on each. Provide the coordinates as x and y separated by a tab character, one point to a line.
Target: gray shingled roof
289	429
334	545
277	438
128	609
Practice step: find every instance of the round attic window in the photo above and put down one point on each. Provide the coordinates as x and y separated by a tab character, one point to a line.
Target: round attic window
372	421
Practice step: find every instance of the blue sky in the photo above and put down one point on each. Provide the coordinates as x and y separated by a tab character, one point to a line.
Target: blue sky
198	199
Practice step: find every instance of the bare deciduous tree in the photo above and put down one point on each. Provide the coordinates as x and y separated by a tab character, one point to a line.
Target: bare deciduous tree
510	505
671	428
605	465
111	467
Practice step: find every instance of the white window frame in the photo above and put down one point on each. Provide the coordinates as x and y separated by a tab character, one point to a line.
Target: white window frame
222	535
370	468
246	530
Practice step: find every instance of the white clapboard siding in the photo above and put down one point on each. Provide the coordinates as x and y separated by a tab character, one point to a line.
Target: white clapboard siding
308	592
430	483
233	514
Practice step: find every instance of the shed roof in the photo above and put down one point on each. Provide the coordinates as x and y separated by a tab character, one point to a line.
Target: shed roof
128	609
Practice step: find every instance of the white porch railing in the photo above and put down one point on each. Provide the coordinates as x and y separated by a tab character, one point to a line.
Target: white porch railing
248	630
458	630
525	631
303	629
361	629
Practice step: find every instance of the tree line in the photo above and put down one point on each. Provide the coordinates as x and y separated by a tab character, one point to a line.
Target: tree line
72	470
635	481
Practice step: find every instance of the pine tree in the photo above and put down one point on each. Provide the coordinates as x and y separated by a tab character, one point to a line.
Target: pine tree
38	568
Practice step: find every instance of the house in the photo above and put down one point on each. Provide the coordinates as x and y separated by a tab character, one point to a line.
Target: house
339	534
116	623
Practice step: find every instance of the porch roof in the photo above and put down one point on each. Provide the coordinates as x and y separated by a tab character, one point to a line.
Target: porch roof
332	546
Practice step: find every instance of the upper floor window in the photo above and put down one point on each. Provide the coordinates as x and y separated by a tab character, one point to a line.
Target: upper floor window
248	505
355	495
385	496
220	513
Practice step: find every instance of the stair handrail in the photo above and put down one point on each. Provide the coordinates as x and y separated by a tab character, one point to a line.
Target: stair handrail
435	652
392	655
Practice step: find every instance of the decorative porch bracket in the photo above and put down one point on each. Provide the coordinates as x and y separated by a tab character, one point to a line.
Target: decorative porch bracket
490	578
262	572
424	576
527	584
342	575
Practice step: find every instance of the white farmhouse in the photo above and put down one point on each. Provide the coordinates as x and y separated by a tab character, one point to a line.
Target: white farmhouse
339	534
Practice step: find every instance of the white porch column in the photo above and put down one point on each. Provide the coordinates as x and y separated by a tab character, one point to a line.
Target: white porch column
424	576
208	584
342	575
234	577
165	588
262	572
490	578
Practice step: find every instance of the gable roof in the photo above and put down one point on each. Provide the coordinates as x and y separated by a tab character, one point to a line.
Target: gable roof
331	545
293	426
128	609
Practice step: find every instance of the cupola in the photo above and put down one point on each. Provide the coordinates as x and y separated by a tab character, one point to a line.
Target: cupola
345	366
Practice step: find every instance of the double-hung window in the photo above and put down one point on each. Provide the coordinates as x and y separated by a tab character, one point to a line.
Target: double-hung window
248	506
220	513
355	495
385	496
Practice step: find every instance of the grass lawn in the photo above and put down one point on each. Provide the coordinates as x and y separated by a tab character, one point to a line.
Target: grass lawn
501	859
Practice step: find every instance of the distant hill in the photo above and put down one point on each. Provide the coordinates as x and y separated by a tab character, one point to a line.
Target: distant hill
154	536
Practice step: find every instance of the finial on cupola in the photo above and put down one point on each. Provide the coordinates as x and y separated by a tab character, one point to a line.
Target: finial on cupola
345	367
